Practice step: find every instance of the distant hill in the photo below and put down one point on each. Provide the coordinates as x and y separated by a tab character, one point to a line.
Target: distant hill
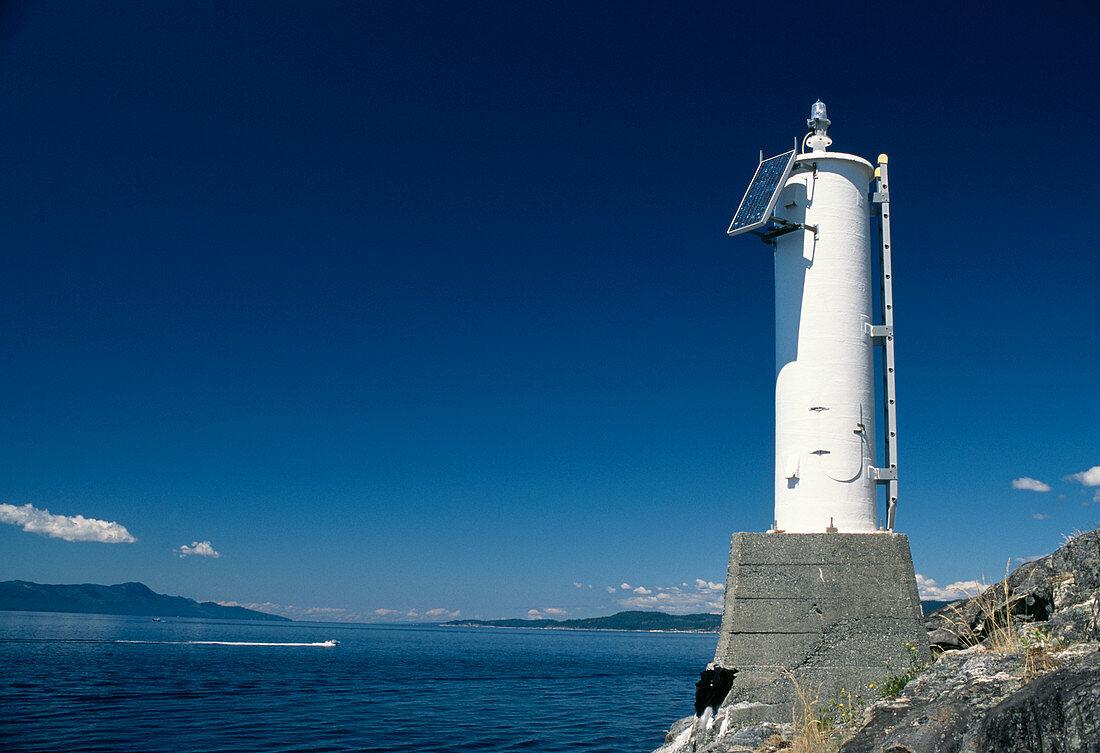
929	606
695	623
124	598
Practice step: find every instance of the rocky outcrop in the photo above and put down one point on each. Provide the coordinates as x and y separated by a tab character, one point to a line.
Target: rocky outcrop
973	701
1057	712
1019	670
720	733
1059	593
941	708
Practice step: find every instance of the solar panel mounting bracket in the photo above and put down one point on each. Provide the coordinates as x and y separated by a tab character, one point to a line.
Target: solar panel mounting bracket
782	227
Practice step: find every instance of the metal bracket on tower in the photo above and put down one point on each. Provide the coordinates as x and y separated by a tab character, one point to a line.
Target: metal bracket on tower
879	333
782	227
884	475
883	334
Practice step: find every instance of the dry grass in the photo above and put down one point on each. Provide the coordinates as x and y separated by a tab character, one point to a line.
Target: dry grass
995	629
1076	533
1003	635
812	734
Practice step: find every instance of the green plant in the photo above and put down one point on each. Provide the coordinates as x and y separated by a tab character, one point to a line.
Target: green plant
845	711
892	686
1039	639
1038	645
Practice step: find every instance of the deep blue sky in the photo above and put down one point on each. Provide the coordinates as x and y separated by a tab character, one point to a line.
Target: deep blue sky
429	306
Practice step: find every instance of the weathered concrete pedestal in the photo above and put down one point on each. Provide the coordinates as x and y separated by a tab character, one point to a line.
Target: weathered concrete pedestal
832	609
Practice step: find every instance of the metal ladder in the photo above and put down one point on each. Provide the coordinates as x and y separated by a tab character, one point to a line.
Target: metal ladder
883	334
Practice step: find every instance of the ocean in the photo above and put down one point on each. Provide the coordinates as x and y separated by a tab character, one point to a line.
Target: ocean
72	682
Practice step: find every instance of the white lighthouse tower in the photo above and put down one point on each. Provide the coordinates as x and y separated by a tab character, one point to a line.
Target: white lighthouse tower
828	596
814	208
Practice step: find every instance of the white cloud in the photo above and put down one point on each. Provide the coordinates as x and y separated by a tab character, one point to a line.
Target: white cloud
197	548
960	589
1030	484
610	589
67	527
342	614
624	586
577	585
1091	477
556	611
533	614
704	596
707	586
1039	515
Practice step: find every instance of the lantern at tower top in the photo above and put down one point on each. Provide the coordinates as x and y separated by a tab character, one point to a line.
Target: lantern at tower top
818	123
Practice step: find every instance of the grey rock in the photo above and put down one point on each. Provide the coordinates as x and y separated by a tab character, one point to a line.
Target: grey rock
972	702
722	733
748	738
678	727
941	707
1057	713
755	734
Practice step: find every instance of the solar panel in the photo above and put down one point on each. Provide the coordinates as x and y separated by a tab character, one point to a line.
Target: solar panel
760	197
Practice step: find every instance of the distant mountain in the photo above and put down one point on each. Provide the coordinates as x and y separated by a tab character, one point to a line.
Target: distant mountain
930	605
695	623
124	598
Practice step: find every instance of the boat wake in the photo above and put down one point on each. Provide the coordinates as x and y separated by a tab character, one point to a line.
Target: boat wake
321	644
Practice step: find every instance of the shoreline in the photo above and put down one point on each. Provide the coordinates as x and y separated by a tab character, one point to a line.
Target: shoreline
581	629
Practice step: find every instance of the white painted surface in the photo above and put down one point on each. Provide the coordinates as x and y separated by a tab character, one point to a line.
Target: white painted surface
824	395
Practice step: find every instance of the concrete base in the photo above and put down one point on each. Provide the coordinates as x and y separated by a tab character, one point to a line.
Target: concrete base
832	609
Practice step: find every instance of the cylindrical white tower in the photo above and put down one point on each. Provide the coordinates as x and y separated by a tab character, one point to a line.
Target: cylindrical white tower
824	397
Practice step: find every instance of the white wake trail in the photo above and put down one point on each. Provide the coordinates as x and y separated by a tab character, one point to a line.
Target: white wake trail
321	644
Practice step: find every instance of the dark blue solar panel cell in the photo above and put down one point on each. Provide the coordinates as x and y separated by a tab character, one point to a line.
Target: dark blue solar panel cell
761	195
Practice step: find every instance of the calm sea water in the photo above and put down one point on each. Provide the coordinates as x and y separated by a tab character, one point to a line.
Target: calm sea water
103	683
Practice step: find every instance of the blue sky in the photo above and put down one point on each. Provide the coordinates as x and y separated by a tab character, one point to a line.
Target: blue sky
414	308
